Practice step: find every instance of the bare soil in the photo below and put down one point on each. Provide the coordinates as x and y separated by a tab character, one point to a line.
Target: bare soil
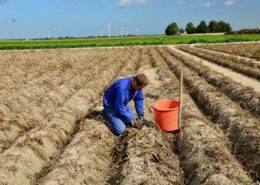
239	126
245	67
247	50
238	77
245	96
53	131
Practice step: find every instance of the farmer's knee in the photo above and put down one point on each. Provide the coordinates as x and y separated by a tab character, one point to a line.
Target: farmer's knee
119	129
116	124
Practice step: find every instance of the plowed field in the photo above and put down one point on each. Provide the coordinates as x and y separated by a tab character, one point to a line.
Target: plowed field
53	133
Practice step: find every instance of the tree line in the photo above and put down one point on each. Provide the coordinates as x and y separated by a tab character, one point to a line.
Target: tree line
203	27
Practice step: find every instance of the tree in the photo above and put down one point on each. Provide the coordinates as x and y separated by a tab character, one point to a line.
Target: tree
202	27
214	27
190	28
172	29
228	27
181	30
224	27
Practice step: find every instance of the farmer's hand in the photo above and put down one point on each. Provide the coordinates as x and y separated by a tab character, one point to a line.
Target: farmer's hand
134	123
140	120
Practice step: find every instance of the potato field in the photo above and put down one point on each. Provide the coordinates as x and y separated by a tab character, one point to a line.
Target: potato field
53	133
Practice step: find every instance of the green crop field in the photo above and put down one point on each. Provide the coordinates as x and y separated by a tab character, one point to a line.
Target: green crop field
125	41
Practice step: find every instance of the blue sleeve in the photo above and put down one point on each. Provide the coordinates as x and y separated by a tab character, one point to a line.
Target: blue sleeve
120	107
139	103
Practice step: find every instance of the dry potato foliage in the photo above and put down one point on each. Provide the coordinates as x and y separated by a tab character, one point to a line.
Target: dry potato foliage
246	67
251	50
51	133
245	96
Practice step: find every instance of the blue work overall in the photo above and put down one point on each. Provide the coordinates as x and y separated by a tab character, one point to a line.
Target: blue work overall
115	101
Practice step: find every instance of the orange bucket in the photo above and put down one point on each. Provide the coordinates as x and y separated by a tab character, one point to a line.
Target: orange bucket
166	114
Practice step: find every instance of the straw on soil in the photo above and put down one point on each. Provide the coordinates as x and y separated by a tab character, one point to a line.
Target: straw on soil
53	135
224	61
240	127
204	151
246	97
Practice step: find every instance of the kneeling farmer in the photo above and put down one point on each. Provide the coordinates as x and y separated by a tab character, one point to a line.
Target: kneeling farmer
115	101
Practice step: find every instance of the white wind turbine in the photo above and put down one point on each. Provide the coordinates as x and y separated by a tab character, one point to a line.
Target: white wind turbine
109	30
122	31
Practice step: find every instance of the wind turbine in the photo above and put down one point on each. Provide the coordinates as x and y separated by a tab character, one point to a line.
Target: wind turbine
136	31
126	32
122	31
117	32
109	30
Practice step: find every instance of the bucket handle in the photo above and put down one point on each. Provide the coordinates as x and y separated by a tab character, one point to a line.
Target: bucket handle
155	104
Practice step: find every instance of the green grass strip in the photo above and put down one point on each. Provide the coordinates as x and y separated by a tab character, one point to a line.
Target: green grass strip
125	41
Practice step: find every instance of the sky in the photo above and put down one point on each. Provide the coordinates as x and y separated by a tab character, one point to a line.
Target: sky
81	18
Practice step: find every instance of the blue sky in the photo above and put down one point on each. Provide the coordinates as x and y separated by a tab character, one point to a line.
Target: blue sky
78	18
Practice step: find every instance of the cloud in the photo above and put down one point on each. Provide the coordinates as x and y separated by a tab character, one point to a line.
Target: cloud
128	3
208	5
181	2
3	1
229	2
